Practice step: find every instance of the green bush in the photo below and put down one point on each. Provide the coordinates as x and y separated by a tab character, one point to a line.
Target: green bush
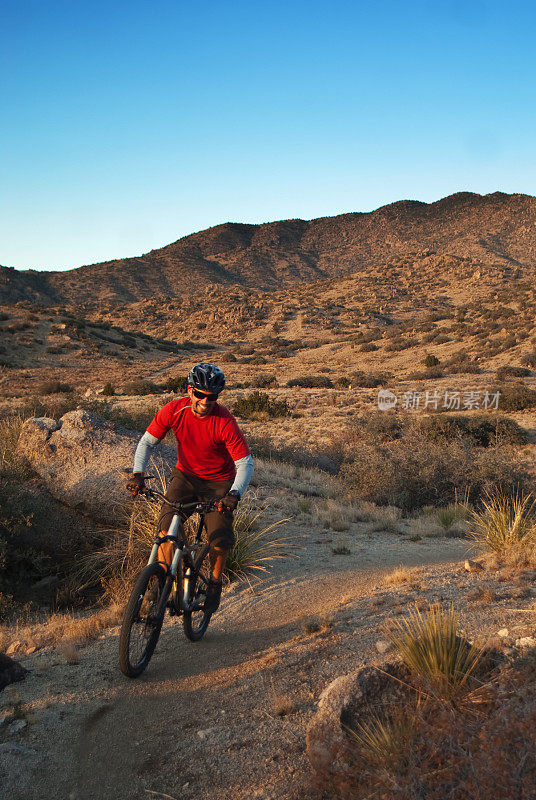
431	360
312	382
260	404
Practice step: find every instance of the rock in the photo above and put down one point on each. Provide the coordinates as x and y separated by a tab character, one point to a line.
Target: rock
526	641
13	647
10	671
17	726
340	704
503	632
82	459
15	747
383	646
472	566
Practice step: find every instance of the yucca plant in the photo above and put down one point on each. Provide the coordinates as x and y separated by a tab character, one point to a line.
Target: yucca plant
506	525
385	740
256	547
434	651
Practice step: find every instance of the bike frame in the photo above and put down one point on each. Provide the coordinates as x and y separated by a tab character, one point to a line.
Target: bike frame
180	544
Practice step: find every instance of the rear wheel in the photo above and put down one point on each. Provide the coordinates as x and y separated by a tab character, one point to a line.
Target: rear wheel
143	619
195	619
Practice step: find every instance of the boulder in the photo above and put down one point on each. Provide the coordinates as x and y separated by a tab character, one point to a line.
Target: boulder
10	671
82	460
342	705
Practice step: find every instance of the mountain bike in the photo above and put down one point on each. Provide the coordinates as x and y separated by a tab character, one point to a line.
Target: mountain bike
179	588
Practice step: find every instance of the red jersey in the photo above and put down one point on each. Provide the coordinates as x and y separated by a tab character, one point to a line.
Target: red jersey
207	447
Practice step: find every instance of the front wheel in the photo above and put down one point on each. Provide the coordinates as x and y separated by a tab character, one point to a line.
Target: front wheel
142	622
195	619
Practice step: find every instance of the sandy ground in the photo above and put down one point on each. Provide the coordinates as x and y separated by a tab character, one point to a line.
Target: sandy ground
227	717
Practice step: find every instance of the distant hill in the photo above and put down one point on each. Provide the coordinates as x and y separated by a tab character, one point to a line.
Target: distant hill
493	230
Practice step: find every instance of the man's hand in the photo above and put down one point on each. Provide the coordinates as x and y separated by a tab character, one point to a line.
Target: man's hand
228	503
136	483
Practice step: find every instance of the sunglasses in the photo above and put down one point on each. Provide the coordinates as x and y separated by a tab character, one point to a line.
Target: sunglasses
203	396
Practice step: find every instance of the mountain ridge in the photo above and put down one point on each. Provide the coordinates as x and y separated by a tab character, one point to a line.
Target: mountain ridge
493	229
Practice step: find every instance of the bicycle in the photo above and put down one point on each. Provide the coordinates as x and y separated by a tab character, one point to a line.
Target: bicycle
179	588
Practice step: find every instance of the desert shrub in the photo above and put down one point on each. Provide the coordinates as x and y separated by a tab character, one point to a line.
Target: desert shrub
465	368
368	347
140	387
228	358
481	430
430	360
178	384
400	343
264	381
516	398
512	372
529	358
254	360
311	382
108	390
260	404
369	380
430	372
414	470
54	387
342	382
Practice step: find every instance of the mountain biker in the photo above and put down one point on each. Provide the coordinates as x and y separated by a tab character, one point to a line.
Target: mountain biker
214	462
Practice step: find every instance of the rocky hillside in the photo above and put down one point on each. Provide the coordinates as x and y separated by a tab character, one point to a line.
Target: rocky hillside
496	230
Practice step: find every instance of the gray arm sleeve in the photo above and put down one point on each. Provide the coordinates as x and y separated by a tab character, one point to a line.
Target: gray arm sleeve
244	471
143	451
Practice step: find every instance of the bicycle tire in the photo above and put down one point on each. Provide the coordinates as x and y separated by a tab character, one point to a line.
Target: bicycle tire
142	622
195	619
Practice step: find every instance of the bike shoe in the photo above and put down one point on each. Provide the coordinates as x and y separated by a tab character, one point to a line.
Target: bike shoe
212	600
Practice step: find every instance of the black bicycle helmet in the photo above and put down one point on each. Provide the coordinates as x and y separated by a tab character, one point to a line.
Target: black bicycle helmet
207	378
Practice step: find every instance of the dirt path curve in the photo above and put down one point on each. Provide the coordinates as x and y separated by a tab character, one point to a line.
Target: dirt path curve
225	717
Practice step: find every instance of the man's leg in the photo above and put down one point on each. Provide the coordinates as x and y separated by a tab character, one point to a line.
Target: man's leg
221	538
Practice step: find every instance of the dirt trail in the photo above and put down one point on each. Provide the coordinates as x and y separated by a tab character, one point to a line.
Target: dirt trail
203	720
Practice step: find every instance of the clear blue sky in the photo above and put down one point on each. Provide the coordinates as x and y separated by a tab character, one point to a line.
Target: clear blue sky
126	125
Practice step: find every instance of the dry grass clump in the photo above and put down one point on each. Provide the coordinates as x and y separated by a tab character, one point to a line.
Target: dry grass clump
68	629
398	576
333	514
386	518
506	525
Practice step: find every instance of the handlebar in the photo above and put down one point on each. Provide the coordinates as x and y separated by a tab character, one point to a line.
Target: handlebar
201	506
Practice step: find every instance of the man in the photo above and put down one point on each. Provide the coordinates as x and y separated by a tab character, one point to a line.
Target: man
214	462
